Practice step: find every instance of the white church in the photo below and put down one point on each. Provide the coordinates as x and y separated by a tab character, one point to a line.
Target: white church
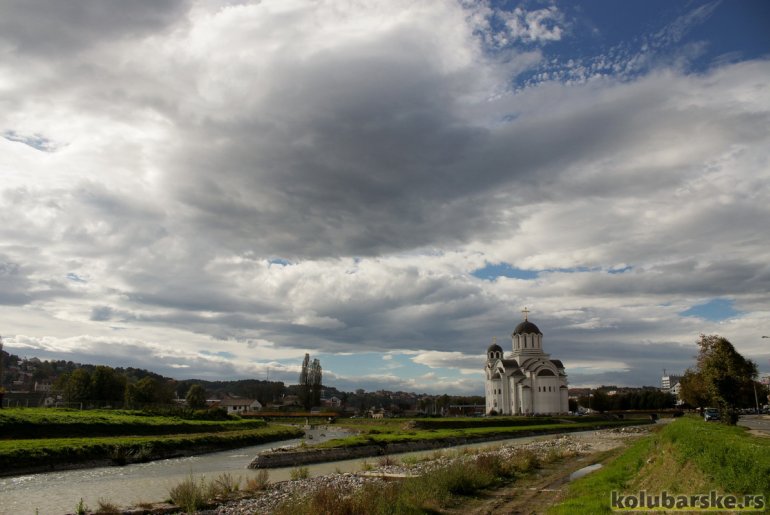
527	381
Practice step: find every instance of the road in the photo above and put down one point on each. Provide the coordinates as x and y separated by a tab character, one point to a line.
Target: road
756	422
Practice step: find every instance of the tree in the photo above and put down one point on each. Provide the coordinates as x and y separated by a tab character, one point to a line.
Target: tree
693	390
314	378
196	397
723	377
149	391
78	386
310	380
107	385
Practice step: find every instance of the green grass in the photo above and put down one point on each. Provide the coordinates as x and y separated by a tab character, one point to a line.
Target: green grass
591	494
738	461
29	453
687	456
385	433
57	422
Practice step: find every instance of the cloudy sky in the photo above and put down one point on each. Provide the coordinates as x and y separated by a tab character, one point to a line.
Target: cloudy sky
210	189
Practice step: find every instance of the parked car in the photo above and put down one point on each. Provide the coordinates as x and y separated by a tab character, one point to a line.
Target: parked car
710	414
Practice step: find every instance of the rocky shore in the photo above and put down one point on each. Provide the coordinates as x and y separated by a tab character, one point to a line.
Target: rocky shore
292	457
388	469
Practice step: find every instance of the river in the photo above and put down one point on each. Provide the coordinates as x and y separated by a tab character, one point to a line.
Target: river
55	493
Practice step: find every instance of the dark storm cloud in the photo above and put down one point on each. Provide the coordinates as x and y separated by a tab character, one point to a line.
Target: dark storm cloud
49	28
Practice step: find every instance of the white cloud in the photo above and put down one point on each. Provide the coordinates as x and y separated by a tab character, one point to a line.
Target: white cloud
267	179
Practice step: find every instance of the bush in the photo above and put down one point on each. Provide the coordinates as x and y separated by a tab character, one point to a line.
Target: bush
299	473
387	461
259	482
107	508
225	485
190	494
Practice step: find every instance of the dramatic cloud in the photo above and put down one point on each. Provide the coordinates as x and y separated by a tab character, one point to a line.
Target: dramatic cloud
213	189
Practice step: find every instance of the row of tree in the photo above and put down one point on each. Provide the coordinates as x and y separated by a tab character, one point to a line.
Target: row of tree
106	386
600	400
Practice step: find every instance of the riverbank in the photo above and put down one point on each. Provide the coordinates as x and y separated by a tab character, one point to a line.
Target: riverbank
19	457
43	440
303	495
413	438
687	458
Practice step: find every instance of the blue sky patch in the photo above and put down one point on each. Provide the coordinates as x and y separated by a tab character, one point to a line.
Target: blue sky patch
715	310
35	141
75	278
492	271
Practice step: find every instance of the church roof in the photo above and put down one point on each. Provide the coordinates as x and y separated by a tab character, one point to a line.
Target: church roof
526	327
494	347
510	363
558	363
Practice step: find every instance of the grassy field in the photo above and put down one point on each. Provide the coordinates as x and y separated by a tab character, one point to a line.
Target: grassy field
55	423
39	438
27	454
686	457
385	431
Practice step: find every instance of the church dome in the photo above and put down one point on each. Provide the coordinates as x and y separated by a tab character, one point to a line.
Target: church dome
494	348
526	327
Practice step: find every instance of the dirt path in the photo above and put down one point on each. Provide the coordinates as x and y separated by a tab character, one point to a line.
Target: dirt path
535	493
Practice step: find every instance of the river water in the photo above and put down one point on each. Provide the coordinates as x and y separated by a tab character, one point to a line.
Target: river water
55	493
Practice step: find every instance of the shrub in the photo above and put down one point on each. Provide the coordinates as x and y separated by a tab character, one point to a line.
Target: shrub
225	484
107	508
299	473
387	461
190	494
259	482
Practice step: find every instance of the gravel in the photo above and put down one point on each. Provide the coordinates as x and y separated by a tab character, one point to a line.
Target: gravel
265	502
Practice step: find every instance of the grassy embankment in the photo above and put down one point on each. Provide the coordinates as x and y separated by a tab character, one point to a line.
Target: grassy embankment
37	438
687	457
386	431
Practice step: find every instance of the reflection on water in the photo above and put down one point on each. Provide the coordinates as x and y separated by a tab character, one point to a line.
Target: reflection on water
60	492
55	493
585	470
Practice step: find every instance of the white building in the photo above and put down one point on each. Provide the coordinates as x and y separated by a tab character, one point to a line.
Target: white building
239	405
527	381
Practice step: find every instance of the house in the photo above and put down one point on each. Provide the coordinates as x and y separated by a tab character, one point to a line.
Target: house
239	405
332	402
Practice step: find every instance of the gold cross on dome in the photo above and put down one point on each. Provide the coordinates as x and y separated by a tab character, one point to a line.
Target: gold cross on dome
494	340
526	312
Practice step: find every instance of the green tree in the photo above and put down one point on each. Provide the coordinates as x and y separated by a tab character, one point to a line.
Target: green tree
149	391
78	386
107	385
724	377
196	397
693	389
310	381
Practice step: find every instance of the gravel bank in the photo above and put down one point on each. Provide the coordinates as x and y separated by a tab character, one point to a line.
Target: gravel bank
265	502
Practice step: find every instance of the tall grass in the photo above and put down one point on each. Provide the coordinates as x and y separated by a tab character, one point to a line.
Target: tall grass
590	495
737	460
194	493
260	481
723	455
429	493
191	494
